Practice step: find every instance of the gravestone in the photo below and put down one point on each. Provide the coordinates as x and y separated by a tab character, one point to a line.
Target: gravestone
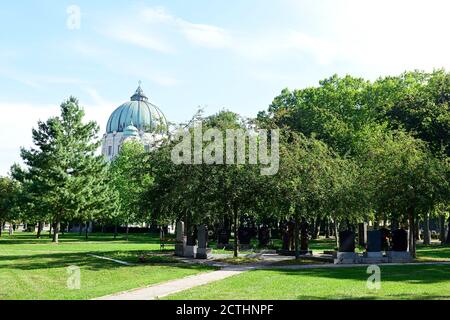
223	238
346	241
288	236
362	234
264	236
304	238
399	251
245	236
202	236
373	253
399	240
346	253
374	241
180	244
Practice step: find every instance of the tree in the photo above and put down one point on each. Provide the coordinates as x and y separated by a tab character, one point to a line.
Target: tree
62	169
306	171
406	179
130	179
9	190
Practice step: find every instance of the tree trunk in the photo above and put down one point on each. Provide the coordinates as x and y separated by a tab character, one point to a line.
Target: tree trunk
86	231
38	234
296	238
50	229
80	232
1	228
327	228
336	233
115	231
304	245
442	229
417	230
56	232
128	230
412	231
426	230
316	229
236	235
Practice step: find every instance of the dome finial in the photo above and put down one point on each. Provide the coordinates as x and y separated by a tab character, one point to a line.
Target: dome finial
139	95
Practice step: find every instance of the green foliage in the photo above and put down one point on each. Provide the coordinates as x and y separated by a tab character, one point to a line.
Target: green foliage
130	178
9	193
64	179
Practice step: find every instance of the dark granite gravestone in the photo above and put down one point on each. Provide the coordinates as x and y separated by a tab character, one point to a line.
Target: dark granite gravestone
202	235
374	241
264	236
288	236
180	245
245	236
399	240
346	241
223	237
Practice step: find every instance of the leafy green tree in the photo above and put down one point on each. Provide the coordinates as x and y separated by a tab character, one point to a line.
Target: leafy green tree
9	191
63	168
130	179
405	178
306	170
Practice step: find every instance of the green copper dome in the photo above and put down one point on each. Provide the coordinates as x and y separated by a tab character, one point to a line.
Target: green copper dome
139	113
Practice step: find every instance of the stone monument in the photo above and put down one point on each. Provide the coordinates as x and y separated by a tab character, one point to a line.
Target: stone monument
346	253
264	236
223	238
399	252
245	236
202	237
180	244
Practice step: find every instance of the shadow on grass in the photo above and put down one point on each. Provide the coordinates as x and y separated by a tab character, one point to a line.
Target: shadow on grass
83	260
30	238
414	274
374	297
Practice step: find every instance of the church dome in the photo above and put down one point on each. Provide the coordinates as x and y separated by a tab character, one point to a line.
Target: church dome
139	113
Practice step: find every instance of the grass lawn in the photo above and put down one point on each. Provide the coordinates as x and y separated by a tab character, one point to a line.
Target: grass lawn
33	268
397	282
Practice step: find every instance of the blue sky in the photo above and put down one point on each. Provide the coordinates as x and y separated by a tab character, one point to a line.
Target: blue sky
216	54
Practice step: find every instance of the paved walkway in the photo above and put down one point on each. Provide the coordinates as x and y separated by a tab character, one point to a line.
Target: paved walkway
174	286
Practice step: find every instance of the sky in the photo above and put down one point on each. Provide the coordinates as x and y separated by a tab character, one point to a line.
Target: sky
215	54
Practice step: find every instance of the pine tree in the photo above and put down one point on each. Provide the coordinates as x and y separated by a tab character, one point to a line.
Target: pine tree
65	174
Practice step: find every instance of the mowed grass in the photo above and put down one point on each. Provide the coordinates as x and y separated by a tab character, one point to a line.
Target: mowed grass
397	282
33	268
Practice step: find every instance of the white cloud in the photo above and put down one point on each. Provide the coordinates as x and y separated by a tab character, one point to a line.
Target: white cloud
141	39
17	134
37	80
206	35
385	36
140	31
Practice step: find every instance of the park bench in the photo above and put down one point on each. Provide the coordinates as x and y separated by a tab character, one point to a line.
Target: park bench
165	242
